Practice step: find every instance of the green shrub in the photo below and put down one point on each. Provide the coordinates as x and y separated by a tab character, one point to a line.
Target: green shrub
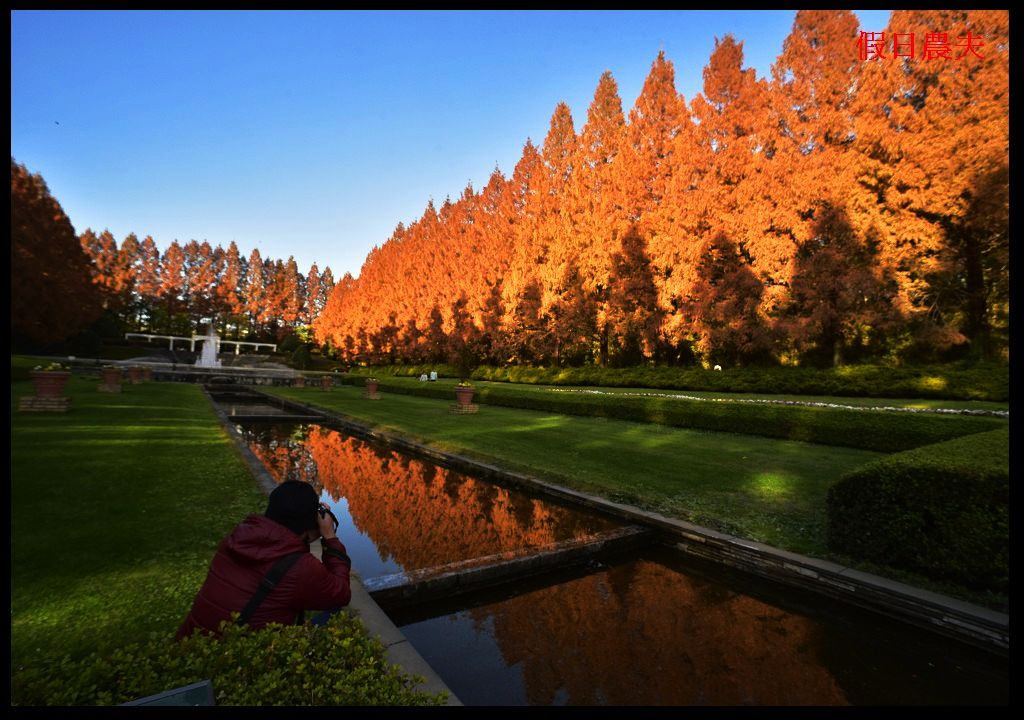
338	664
443	370
868	430
941	510
984	381
301	358
289	344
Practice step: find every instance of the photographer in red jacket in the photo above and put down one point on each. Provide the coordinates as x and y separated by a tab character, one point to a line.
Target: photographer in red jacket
265	571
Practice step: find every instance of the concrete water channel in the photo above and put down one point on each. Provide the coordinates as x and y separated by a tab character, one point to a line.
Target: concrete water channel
516	598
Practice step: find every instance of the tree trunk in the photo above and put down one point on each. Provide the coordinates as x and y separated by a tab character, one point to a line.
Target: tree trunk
837	352
977	306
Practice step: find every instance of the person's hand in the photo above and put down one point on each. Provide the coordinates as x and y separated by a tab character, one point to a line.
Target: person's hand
326	521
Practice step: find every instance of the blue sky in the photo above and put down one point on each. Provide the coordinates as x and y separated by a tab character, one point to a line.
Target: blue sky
314	133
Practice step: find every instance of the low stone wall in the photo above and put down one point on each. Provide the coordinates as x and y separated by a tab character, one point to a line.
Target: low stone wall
984	628
447	581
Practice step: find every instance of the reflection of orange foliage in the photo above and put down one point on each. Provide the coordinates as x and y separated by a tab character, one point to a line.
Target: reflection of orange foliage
284	458
643	633
422	515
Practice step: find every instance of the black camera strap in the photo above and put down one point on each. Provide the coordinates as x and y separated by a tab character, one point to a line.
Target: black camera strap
272	578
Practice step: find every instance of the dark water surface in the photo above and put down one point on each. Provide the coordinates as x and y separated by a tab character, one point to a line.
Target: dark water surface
657	629
660	630
400	513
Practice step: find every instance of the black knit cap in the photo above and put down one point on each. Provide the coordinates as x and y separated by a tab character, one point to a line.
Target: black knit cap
294	504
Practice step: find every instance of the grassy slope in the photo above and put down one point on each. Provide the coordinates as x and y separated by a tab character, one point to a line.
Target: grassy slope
768	490
116	509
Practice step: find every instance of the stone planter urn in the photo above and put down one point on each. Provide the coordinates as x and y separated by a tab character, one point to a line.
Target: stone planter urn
49	389
299	381
464	394
326	382
111	379
49	383
371	388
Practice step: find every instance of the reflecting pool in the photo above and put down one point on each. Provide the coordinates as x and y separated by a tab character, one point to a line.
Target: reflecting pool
399	513
661	630
654	628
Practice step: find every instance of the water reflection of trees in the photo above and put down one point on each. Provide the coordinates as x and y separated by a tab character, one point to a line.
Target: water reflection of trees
284	454
418	514
421	515
637	633
642	633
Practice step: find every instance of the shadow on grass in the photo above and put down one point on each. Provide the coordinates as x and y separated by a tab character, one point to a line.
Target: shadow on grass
139	499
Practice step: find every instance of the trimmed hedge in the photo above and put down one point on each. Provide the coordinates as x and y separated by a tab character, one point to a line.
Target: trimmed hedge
867	430
338	664
988	381
941	510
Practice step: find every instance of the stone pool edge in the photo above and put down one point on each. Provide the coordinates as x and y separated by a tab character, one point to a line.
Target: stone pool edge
397	648
976	625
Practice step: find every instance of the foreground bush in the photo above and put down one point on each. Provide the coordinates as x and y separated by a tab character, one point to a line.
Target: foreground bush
941	510
338	664
867	430
945	382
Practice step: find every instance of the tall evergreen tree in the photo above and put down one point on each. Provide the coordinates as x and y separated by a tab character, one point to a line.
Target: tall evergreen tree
312	307
633	312
925	138
172	284
52	296
255	291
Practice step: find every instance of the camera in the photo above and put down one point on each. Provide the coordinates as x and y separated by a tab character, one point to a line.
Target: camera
325	511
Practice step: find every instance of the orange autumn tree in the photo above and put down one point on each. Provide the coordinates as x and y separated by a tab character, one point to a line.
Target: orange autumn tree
52	294
930	137
736	132
658	145
726	194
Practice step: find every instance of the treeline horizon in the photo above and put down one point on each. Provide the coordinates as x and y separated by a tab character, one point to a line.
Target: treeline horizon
838	211
177	290
73	291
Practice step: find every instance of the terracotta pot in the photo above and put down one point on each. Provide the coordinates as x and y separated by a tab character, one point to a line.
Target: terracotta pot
326	382
371	387
111	376
299	381
49	383
464	395
136	375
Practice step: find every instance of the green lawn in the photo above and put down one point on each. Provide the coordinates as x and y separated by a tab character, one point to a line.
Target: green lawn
117	507
767	490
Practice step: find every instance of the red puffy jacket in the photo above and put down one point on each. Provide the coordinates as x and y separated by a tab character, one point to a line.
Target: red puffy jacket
245	556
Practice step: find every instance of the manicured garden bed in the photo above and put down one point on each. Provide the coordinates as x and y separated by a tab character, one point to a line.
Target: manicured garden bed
882	431
942	510
981	381
117	507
